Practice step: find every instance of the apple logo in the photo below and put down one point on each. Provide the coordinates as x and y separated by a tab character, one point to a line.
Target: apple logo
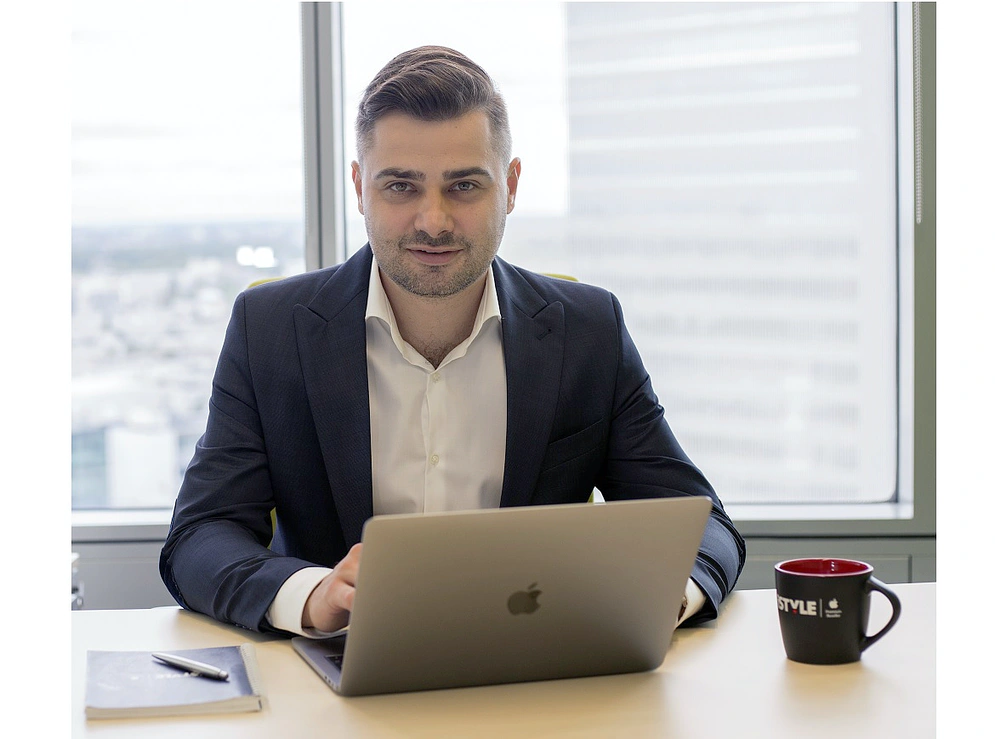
524	601
834	604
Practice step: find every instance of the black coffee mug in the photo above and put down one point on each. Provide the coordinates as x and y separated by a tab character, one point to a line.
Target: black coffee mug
824	605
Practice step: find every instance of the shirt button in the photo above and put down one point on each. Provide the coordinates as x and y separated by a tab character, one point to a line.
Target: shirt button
436	377
434	459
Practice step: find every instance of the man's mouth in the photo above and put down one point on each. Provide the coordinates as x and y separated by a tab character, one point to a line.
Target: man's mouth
431	255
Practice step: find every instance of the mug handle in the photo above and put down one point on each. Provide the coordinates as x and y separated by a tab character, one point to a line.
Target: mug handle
896	610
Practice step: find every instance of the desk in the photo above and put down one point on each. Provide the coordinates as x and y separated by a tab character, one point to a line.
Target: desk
727	679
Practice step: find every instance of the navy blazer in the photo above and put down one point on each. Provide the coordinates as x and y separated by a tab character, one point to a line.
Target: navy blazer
289	428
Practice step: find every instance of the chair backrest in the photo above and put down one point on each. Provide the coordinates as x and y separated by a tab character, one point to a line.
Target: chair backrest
264	280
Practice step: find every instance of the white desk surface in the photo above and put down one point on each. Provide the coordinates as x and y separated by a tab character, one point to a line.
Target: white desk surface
727	679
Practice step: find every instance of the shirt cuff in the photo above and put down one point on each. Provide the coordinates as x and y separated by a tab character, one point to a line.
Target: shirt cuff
286	612
696	599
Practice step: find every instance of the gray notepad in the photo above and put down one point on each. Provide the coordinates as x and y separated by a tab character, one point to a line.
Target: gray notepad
513	594
133	684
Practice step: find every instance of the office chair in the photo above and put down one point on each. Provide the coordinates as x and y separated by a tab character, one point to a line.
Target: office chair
263	281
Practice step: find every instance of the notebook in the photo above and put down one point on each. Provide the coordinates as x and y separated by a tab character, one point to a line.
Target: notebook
133	684
513	594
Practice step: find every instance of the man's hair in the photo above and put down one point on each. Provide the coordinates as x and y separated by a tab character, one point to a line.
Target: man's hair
433	83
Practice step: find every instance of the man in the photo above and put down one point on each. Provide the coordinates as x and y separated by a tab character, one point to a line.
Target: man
423	374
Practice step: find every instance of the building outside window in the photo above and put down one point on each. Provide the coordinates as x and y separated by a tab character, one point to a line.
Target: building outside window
729	171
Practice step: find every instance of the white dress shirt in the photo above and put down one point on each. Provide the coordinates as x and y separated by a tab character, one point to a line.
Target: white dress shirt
437	434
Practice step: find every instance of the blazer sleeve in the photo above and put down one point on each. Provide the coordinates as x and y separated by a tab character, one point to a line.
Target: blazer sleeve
645	460
216	558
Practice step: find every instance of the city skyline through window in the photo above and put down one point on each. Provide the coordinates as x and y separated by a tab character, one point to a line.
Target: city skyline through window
187	186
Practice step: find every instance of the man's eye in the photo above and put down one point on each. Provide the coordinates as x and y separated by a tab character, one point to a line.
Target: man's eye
464	186
399	187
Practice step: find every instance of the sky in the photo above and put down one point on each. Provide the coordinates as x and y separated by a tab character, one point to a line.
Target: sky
185	111
201	119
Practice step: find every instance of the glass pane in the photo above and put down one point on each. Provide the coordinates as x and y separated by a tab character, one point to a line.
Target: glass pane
727	170
187	187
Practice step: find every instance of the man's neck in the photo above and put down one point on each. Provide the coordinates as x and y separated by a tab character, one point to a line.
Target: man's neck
434	326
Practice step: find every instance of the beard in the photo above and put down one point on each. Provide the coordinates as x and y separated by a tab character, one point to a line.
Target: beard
438	281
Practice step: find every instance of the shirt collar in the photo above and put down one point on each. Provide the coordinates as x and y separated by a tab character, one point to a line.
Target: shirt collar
378	306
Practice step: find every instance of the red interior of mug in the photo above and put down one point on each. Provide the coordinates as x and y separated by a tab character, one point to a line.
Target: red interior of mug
823	567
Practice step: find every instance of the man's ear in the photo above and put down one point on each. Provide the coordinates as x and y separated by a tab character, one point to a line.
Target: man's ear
514	171
357	181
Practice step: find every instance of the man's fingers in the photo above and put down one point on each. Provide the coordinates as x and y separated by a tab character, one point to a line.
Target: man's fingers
348	569
348	598
329	605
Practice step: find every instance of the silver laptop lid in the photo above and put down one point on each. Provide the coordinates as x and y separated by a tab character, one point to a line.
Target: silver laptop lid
516	594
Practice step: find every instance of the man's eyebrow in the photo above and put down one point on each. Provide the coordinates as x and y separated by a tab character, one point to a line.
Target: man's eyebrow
401	174
451	174
458	174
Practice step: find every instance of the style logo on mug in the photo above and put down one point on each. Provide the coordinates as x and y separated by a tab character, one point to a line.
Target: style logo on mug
823	606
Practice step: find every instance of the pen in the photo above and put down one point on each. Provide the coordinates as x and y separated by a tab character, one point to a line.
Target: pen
198	668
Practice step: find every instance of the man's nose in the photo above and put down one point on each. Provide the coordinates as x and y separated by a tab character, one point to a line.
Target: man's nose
433	216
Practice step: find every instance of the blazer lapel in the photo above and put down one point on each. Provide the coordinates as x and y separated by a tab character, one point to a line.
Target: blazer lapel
331	339
532	330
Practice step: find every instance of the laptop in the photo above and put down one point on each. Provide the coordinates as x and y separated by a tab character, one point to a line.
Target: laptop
504	595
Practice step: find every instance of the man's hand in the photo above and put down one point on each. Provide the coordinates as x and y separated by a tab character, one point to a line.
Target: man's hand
330	603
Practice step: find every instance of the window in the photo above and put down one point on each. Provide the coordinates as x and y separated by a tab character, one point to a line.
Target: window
187	186
732	172
739	174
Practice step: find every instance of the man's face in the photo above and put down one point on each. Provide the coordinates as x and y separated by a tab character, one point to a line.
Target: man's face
435	197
